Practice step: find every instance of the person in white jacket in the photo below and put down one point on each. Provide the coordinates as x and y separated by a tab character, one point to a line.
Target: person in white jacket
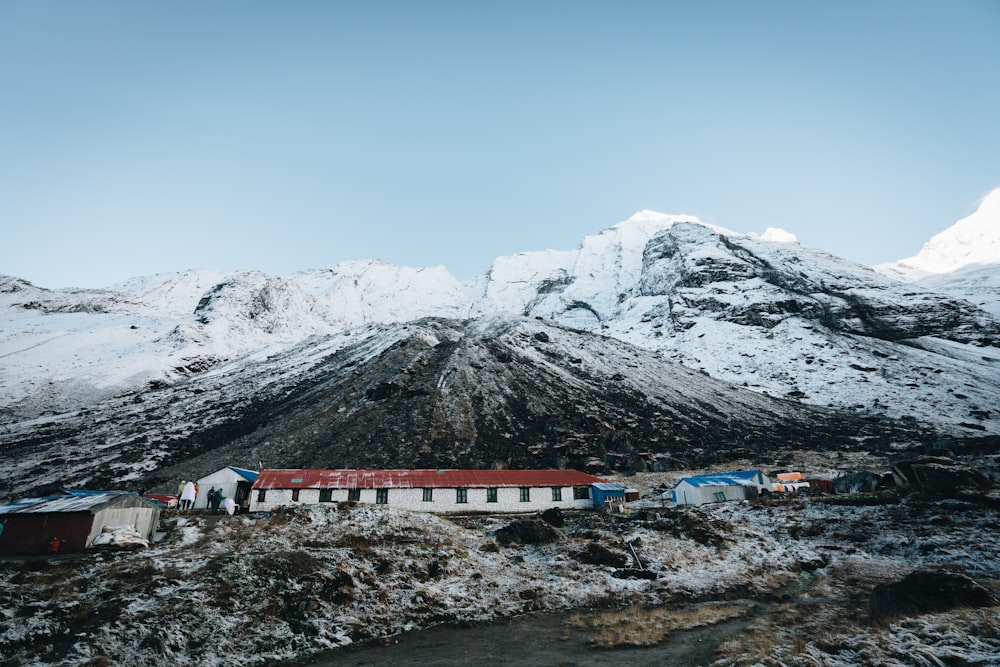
229	505
188	496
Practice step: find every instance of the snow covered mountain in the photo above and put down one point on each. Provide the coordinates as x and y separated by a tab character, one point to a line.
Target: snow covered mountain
972	240
963	260
659	338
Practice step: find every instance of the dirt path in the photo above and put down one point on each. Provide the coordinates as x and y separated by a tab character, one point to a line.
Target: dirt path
535	640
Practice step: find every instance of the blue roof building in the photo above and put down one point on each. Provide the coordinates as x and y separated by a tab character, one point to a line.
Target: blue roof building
719	487
606	493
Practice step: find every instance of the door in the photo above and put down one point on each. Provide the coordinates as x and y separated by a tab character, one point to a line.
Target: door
242	497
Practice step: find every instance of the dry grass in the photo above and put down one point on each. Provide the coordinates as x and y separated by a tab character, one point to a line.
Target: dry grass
792	629
648	626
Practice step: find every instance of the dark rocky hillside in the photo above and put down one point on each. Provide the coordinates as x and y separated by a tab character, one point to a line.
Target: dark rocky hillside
528	394
435	393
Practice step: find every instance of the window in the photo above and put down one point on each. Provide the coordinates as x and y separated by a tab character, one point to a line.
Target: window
491	495
354	495
428	495
326	495
461	495
556	493
720	496
381	496
581	493
525	494
260	495
295	495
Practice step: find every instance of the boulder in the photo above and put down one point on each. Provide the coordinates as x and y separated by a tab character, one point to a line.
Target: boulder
938	475
554	517
597	554
924	592
530	531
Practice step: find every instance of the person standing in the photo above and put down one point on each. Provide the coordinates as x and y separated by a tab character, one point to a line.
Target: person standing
230	505
214	498
187	496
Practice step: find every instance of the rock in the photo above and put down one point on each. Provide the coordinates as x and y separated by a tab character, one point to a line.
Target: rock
597	554
554	517
633	573
924	592
938	475
531	531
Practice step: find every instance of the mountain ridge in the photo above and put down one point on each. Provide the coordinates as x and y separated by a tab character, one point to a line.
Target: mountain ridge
103	373
975	239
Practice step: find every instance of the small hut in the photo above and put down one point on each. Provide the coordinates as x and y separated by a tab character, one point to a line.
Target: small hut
234	482
719	487
608	495
72	520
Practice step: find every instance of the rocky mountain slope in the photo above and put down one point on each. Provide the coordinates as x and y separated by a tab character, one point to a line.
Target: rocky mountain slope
660	341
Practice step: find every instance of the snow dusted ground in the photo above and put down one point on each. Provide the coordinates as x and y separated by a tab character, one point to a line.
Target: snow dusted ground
254	590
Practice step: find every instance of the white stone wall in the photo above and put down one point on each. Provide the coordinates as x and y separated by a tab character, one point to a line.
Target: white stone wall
443	499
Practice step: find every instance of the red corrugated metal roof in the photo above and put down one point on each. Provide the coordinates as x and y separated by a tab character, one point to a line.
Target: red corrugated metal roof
418	479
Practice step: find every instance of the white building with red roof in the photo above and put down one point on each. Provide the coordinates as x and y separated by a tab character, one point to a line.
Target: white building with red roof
436	490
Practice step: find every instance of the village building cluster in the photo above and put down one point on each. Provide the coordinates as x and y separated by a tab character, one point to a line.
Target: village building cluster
74	520
742	485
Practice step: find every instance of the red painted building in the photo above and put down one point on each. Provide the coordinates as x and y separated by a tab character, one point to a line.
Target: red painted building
73	520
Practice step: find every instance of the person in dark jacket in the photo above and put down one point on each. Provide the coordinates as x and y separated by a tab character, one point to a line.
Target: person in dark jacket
214	498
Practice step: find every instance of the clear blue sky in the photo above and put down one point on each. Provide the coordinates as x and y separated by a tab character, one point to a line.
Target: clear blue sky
142	137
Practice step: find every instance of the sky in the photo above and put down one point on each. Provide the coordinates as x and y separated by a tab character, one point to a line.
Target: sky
139	138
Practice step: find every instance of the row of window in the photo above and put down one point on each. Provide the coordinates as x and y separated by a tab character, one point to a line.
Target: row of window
461	495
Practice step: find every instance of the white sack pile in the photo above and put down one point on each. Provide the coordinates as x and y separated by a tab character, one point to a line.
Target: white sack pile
122	536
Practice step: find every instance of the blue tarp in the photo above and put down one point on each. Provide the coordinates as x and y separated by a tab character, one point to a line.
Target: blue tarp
742	478
248	475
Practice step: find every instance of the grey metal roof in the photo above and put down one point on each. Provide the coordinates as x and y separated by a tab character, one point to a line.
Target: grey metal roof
90	502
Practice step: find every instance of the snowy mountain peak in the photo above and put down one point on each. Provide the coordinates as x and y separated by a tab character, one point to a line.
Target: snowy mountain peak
656	222
972	240
778	235
649	216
